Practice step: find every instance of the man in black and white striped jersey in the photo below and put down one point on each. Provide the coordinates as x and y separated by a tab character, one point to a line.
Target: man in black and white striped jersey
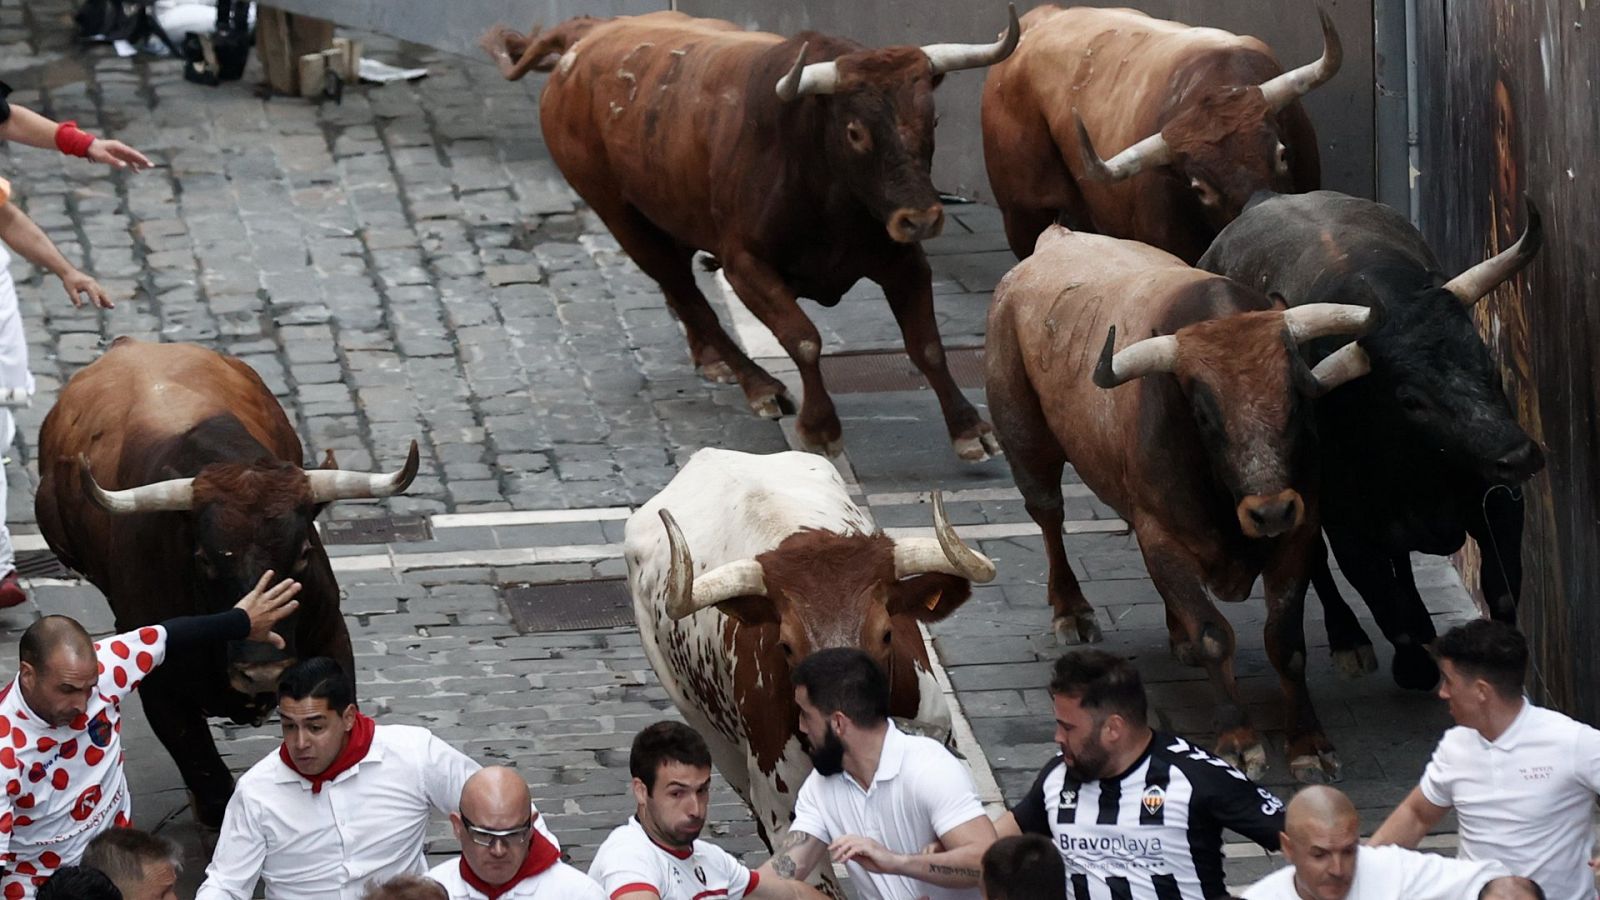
1136	814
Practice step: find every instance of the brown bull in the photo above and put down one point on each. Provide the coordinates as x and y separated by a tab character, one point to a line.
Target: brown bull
801	164
1210	458
1206	117
170	477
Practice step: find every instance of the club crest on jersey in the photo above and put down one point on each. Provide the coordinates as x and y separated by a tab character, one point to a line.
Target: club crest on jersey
1069	798
700	873
1154	798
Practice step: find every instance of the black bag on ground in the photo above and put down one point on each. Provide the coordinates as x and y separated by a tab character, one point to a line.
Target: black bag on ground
211	59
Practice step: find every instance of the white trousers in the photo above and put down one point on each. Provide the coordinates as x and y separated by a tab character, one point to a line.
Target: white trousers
13	374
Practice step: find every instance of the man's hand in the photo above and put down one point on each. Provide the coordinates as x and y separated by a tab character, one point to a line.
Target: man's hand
267	607
117	155
871	855
78	284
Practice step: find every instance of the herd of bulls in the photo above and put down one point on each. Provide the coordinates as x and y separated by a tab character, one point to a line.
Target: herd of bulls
1235	361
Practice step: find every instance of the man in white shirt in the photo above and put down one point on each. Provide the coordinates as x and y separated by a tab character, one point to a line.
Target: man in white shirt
1322	841
343	800
658	855
503	855
877	797
61	767
1522	779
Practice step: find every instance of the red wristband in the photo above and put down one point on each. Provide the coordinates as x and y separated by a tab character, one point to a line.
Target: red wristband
72	141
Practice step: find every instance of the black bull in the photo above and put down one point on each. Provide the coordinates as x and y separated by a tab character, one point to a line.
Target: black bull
1423	451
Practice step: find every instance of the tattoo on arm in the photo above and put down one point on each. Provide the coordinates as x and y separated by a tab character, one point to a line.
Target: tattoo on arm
964	871
784	863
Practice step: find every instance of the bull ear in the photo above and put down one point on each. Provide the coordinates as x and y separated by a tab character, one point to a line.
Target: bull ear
1279	302
928	598
750	611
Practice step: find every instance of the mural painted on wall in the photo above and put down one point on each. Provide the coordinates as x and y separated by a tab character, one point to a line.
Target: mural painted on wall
1507	110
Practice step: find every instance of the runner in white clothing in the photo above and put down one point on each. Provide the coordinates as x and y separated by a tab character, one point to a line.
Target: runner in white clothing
61	727
658	855
1322	841
342	802
504	855
1521	779
876	797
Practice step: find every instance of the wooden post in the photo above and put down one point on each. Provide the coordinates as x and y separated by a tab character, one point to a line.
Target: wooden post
282	38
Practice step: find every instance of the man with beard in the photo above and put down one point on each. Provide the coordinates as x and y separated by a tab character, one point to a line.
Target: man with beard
658	855
1135	813
878	797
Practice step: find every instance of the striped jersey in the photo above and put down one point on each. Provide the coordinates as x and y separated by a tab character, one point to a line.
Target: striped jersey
1154	832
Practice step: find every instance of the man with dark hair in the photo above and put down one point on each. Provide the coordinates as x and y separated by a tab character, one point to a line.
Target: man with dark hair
503	855
406	887
1023	867
1522	779
1166	843
876	796
342	801
78	883
658	855
1322	843
144	866
1513	888
61	726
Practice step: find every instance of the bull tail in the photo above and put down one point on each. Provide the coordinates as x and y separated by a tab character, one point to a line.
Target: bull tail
518	54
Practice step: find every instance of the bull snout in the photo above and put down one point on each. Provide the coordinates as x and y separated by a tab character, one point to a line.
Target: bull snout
1523	462
1263	516
258	677
908	226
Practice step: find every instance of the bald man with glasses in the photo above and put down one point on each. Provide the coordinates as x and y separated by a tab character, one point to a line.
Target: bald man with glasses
504	855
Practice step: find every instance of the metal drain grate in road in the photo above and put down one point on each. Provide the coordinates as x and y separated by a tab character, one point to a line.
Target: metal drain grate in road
378	530
569	606
883	371
41	564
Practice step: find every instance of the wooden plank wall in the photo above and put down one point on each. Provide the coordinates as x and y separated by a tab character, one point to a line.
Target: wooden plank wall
1509	106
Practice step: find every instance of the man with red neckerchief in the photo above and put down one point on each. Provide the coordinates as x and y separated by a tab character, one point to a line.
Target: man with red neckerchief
504	855
61	727
342	802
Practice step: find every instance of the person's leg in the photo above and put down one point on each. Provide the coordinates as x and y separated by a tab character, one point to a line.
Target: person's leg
13	374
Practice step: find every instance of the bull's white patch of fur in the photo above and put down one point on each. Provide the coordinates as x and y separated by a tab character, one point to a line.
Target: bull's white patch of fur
734	506
568	60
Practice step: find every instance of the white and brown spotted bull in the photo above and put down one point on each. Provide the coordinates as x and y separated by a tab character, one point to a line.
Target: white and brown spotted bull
1200	118
746	564
1199	436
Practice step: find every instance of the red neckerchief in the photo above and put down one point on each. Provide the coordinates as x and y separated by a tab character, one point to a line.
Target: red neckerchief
355	750
541	855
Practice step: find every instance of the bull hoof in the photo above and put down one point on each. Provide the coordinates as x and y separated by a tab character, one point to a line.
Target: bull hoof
1321	768
977	447
1079	628
717	372
1185	653
829	449
1251	760
1414	668
774	405
1355	663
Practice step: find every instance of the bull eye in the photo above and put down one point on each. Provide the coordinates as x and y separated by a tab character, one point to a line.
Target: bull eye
787	648
1283	158
857	135
1412	400
888	636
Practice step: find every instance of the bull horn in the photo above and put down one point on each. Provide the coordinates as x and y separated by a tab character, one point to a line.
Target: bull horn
955	57
944	552
1315	320
1148	153
328	485
804	80
687	594
1344	364
1475	283
1151	355
175	495
1296	83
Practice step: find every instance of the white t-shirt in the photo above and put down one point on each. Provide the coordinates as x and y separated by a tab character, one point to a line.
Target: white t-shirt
1526	799
1395	873
65	785
369	822
630	860
559	882
919	792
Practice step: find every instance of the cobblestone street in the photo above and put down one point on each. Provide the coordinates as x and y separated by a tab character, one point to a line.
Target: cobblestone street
409	264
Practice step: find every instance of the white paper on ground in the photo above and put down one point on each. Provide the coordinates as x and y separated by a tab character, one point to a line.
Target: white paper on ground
383	73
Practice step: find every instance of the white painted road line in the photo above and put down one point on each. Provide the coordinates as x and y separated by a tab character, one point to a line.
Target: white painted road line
531	517
1019	529
26	542
452	559
976	495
